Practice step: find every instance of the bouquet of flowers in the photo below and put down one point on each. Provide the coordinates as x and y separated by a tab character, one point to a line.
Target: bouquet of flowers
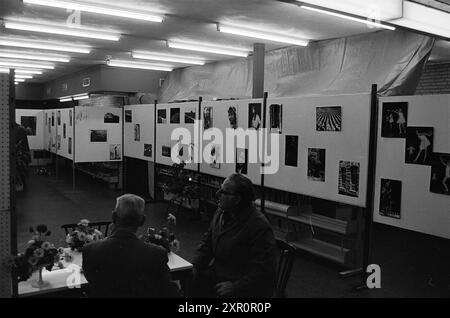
39	254
82	235
164	237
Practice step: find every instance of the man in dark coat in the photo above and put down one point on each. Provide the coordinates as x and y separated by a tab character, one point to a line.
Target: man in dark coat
122	265
237	255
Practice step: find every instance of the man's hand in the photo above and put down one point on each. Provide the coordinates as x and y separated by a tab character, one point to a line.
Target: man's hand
224	289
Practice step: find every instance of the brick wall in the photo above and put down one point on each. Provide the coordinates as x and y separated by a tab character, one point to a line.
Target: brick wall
435	79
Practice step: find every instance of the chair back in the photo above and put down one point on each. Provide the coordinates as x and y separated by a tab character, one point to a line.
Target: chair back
285	262
101	226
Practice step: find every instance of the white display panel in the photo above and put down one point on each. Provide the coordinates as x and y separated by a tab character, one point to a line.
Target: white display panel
144	116
222	122
164	131
421	210
348	142
66	138
95	139
50	130
36	125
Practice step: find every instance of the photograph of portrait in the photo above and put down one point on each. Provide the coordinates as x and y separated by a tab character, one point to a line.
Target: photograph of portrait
99	135
390	198
419	145
29	123
64	130
440	173
349	178
166	150
394	119
69	150
115	152
70	117
128	116
241	160
291	151
148	150
189	115
207	117
329	118
174	115
162	119
232	117
58	117
110	118
137	132
276	118
316	164
215	157
254	115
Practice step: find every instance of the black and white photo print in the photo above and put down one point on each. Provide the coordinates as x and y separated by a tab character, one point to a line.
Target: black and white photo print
291	151
174	115
349	178
148	150
390	198
419	145
162	116
241	160
115	152
232	117
316	164
128	116
137	132
276	118
207	117
440	173
329	118
394	119
189	115
99	135
254	115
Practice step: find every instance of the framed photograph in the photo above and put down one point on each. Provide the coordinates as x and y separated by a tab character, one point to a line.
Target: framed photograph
291	151
64	130
166	150
162	119
316	164
207	117
440	173
390	198
419	145
394	119
70	117
45	120
128	116
137	132
329	118
232	116
254	115
349	178
58	117
99	135
29	123
110	118
148	149
215	156
276	118
69	150
53	119
189	115
115	152
58	142
174	115
241	160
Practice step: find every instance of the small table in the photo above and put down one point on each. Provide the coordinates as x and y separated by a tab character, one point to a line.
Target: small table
60	279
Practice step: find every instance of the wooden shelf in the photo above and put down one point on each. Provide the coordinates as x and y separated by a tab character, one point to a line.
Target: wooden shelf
323	249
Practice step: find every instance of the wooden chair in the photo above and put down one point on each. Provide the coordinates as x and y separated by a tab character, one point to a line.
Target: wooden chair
101	226
284	267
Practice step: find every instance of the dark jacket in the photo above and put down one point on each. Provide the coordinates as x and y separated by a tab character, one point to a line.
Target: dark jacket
123	266
242	252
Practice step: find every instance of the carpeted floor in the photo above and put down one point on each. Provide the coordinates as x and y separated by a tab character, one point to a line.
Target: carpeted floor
412	264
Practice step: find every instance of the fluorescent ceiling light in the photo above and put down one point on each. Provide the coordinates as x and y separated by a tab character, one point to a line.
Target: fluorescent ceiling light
16	83
62	30
34	56
19	80
28	71
4	70
66	99
208	48
81	97
268	36
94	8
22	76
14	64
43	45
424	19
347	17
138	65
167	57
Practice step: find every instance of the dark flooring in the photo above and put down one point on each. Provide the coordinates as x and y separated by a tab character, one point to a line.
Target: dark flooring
412	264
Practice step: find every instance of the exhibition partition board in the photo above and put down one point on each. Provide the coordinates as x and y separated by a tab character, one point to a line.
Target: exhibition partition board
139	132
33	121
64	138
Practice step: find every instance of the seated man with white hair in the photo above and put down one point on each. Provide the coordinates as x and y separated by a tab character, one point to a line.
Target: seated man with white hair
122	265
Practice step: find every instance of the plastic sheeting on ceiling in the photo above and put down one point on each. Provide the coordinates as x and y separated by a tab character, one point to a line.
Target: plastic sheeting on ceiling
392	60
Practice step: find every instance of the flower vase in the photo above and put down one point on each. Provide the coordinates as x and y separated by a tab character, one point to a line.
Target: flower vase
39	283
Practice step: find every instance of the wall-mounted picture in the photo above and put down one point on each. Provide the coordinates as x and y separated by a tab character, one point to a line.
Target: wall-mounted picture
53	119
58	142
137	132
348	178
46	119
69	150
174	115
99	135
207	117
64	130
241	160
440	173
329	118
291	151
316	164
232	117
394	119
419	145
110	118
128	116
58	117
115	152
70	117
276	118
29	123
215	157
148	149
166	150
189	115
162	116
254	115
81	114
390	198
49	125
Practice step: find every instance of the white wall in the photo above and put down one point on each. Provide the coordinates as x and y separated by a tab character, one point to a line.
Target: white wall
35	142
144	116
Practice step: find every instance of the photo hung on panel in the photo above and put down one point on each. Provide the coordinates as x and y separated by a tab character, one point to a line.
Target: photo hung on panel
165	151
70	117
69	150
98	135
29	123
215	156
49	125
58	116
148	150
64	130
316	164
291	151
329	118
115	152
189	115
174	115
232	117
137	132
207	117
46	119
241	160
440	173
53	119
348	178
419	145
276	118
390	198
110	118
128	116
162	119
254	115
394	119
58	142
